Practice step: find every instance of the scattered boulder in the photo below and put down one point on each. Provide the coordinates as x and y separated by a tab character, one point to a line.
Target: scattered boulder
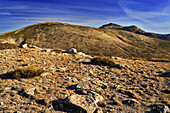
46	50
24	46
121	66
54	69
92	85
158	70
1	103
45	74
32	46
60	69
29	90
164	109
160	109
72	79
116	58
78	103
80	54
72	50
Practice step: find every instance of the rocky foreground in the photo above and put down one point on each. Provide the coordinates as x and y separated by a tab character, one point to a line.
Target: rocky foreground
72	84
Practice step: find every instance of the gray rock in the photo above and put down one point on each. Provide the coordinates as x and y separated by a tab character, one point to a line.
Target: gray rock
121	66
45	74
72	79
32	46
1	103
46	50
158	70
79	103
24	45
72	50
91	84
29	91
116	58
164	109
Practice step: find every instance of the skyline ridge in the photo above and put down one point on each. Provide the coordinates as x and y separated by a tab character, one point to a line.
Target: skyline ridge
152	16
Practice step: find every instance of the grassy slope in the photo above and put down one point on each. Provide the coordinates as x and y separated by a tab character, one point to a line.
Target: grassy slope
91	40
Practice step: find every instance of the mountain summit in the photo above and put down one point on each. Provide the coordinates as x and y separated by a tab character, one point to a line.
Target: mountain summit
137	30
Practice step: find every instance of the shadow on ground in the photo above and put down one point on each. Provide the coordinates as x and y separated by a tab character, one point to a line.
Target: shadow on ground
7	76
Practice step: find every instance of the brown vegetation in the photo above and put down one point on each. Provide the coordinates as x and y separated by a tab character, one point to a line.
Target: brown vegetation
160	59
103	60
27	72
8	46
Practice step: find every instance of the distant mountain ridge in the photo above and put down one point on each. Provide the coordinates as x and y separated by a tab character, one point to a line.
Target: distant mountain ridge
92	41
137	30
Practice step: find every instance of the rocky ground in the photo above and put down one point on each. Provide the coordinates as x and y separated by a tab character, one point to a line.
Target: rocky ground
72	84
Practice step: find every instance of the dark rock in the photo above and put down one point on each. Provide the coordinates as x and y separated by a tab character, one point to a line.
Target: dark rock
167	74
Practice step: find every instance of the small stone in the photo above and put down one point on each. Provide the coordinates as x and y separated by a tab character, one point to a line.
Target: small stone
24	45
91	72
92	84
166	109
72	50
29	91
45	74
116	58
120	66
46	50
31	59
1	103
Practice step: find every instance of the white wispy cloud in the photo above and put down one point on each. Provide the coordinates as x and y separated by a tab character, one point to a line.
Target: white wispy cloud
141	14
5	13
154	18
15	7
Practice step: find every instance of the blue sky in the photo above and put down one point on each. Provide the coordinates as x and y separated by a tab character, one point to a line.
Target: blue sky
149	15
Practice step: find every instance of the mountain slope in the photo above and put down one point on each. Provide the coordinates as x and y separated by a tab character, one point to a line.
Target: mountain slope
89	40
137	30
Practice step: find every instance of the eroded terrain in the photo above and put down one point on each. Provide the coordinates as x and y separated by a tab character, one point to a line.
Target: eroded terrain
135	86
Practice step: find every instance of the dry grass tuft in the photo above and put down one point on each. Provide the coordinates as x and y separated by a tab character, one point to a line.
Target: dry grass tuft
103	60
138	58
160	59
57	50
27	72
8	46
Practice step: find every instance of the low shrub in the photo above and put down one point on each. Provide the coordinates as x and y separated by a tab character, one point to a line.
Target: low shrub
103	60
57	50
27	72
160	59
137	58
8	46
